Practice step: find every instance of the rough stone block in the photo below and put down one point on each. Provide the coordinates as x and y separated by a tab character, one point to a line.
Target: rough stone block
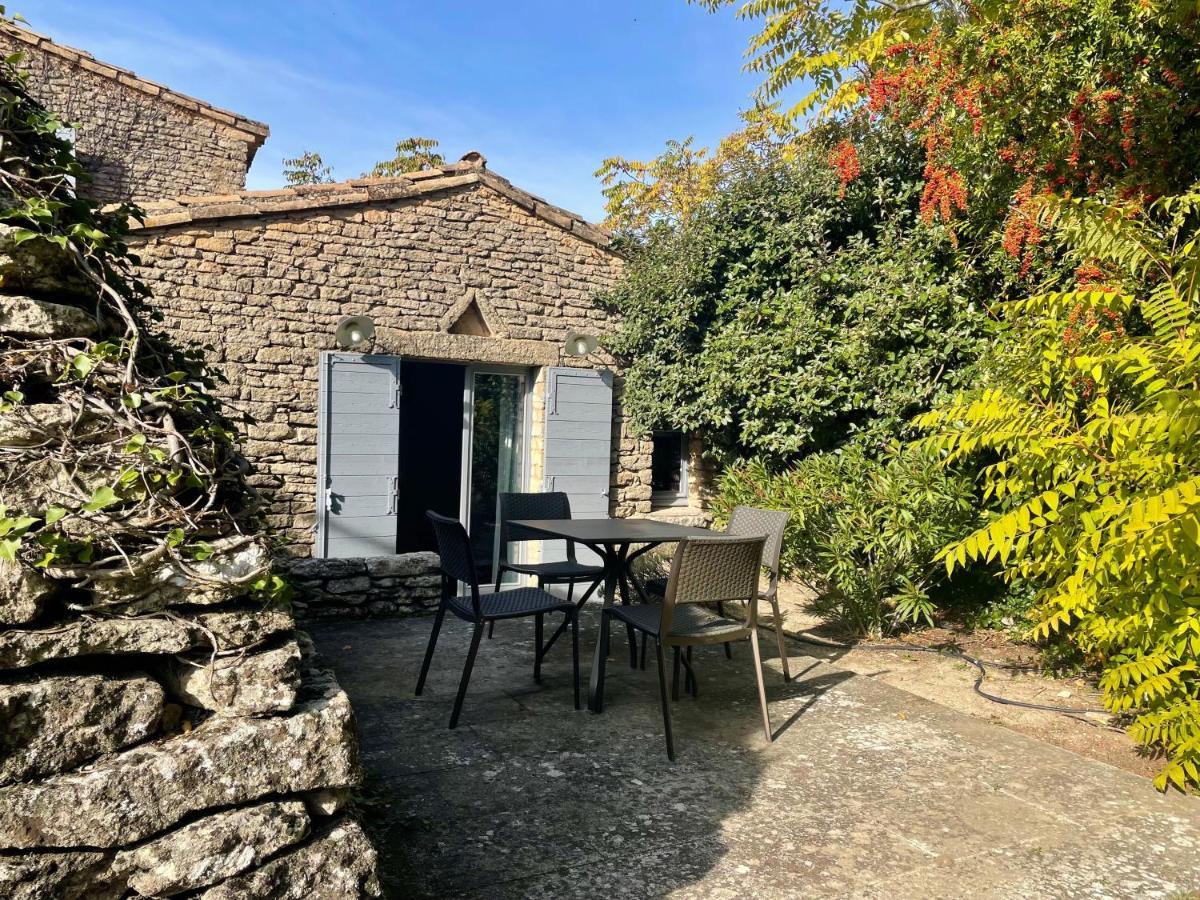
225	761
402	565
211	849
308	569
34	424
169	585
38	876
339	863
230	628
327	801
55	724
42	319
23	593
241	685
348	585
35	266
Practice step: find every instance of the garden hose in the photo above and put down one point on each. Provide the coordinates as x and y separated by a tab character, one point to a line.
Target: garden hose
956	654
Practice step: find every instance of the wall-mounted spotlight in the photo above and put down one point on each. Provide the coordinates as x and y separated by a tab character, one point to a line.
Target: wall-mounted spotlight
354	332
580	344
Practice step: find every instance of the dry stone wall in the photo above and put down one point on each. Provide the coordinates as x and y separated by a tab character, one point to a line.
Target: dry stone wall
139	140
403	584
264	277
160	734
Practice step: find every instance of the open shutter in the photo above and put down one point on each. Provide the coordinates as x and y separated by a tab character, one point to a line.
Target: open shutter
578	442
359	464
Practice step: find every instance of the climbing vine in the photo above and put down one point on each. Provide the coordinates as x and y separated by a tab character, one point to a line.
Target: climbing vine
117	460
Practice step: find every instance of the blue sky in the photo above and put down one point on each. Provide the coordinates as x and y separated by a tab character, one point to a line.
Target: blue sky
544	88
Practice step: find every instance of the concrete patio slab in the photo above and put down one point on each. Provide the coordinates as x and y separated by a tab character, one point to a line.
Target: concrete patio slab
867	791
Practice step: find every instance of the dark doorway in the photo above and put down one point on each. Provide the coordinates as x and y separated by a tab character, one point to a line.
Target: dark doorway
431	436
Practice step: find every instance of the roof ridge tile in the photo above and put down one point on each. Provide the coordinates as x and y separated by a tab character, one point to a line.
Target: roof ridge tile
189	208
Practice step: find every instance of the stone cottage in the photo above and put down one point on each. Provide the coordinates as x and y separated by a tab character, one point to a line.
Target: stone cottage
140	140
473	286
469	388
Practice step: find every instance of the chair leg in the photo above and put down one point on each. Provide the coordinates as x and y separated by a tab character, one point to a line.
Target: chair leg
598	583
492	624
783	656
674	673
762	690
537	648
689	682
433	636
476	636
645	643
728	645
570	591
574	615
630	634
662	696
602	661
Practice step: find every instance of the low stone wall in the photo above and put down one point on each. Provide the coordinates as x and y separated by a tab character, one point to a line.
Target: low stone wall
404	584
164	730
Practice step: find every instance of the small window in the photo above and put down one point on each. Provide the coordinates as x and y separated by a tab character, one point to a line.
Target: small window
67	133
668	469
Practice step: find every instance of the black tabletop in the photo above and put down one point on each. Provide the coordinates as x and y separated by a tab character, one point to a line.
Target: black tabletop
613	531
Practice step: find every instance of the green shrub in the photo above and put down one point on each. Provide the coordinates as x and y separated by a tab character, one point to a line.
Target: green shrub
789	311
866	531
1090	417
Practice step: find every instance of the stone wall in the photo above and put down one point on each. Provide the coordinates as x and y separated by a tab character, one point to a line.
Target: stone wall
264	278
356	588
138	139
161	733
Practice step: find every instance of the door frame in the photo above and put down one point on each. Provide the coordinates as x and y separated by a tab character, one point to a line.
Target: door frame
528	377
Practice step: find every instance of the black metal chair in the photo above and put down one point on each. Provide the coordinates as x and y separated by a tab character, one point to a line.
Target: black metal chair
457	564
718	569
551	505
749	521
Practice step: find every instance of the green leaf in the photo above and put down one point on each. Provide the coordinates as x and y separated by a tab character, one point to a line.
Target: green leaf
102	497
82	365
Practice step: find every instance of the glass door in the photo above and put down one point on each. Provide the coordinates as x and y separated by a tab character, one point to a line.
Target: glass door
493	462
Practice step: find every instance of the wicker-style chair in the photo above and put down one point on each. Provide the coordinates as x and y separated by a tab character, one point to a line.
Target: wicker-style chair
457	564
718	569
550	505
748	521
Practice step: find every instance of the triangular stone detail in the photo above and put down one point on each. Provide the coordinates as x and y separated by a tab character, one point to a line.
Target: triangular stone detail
471	322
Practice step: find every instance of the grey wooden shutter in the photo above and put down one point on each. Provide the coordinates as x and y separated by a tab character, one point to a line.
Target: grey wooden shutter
578	443
359	461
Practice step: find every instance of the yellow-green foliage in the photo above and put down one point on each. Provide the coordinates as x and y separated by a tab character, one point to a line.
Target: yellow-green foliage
1090	417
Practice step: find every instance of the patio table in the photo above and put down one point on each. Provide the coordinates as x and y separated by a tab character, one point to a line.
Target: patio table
612	540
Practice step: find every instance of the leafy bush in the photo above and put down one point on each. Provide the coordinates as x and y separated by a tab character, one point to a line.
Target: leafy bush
790	311
866	531
1093	411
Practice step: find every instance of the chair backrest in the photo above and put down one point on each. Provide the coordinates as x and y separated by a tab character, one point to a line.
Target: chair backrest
454	551
550	505
718	569
750	521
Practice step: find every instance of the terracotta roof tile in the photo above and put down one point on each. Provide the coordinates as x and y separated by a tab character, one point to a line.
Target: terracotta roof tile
255	132
471	170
